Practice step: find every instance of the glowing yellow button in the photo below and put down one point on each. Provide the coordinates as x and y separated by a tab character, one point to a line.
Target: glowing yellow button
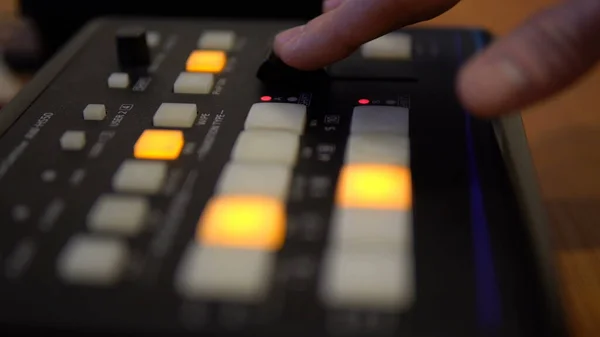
206	61
251	222
375	186
159	144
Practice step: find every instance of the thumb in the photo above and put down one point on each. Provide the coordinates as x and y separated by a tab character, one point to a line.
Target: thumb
337	33
544	56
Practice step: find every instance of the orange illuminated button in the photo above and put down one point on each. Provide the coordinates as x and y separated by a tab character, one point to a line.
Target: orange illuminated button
252	222
375	186
206	61
159	144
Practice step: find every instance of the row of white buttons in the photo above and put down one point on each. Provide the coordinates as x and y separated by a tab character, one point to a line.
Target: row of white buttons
368	264
260	164
100	260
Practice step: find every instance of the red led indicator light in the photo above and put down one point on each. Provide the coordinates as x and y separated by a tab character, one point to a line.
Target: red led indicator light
363	101
266	98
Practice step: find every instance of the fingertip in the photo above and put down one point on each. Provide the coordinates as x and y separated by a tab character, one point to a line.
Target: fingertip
489	87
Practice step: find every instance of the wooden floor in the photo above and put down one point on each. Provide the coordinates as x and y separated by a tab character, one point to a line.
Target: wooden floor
564	135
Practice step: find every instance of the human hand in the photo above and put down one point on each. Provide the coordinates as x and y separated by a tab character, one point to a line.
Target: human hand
540	58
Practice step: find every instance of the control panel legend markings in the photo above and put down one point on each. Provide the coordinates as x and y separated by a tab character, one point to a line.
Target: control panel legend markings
20	259
164	239
49	217
210	137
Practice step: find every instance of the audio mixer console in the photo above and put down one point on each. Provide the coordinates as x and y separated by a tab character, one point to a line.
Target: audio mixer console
169	177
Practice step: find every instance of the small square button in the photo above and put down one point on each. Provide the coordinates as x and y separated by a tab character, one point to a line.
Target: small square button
118	80
380	119
225	274
118	214
378	149
194	83
159	144
94	112
266	146
72	140
374	186
393	46
206	61
153	39
175	115
279	116
217	40
364	228
272	180
243	221
140	176
368	279
93	260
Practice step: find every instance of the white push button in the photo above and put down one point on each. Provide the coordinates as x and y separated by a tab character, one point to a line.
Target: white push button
153	39
380	119
194	83
225	274
379	229
118	214
280	116
266	146
175	115
118	80
94	112
217	40
378	149
271	180
93	260
367	279
393	46
72	140
140	176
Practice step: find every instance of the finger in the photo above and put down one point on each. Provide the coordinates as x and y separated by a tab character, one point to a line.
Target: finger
329	5
336	34
544	56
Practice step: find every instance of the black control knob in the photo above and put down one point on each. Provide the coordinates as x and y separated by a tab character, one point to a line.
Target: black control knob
132	48
274	71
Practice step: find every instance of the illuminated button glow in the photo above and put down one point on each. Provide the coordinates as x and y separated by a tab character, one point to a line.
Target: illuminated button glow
206	61
159	144
266	98
251	222
374	186
225	274
378	119
363	101
378	148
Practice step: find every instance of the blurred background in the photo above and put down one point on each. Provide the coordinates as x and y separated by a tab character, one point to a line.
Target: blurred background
564	132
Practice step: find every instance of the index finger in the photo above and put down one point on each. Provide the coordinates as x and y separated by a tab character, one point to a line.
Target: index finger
338	33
